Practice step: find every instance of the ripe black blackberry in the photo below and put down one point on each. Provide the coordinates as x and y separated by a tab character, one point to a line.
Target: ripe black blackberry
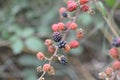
64	14
61	44
116	42
56	36
62	59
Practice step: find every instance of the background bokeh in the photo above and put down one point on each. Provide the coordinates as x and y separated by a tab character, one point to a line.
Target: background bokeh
25	24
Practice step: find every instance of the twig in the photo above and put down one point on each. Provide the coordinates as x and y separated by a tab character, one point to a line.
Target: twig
40	78
111	15
107	20
84	72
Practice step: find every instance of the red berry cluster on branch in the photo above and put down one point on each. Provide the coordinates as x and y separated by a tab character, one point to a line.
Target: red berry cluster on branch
60	31
71	6
111	73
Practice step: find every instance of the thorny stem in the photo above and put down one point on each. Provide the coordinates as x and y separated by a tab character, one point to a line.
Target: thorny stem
56	47
53	54
110	25
41	76
73	20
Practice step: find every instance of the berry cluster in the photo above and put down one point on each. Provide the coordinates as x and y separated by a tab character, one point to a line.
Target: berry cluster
85	7
60	30
112	72
72	6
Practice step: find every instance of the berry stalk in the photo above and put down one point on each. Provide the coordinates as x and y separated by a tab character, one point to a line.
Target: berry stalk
73	20
60	32
56	47
106	19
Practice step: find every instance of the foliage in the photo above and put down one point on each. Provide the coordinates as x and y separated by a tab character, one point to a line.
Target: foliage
22	23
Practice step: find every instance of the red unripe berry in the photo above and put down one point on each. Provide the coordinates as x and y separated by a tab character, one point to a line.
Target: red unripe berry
48	42
79	34
73	26
55	27
116	65
83	2
70	1
61	26
67	48
85	7
114	53
71	6
108	71
63	12
51	49
74	44
40	56
46	67
62	9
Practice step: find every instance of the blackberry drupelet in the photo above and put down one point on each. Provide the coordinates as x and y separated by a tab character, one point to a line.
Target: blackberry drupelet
56	36
61	44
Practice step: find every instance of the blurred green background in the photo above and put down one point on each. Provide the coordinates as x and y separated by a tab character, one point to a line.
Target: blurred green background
25	24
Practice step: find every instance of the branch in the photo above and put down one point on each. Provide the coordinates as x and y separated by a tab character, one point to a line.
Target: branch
64	36
107	20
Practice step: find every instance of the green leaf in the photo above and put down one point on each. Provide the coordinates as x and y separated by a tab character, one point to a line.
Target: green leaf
77	51
2	15
16	45
34	44
45	20
18	5
85	19
5	34
32	15
31	77
29	74
102	8
110	2
27	32
29	60
15	28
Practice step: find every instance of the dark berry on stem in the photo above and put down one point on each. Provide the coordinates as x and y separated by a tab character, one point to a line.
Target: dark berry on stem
116	42
61	44
64	14
56	36
62	59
